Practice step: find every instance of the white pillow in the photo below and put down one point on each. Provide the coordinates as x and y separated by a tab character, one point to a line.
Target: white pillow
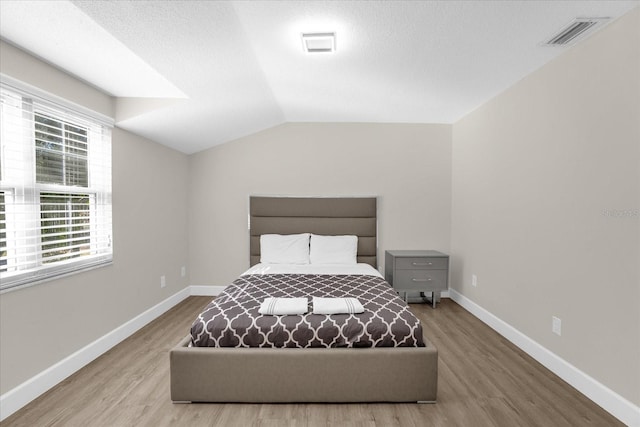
334	249
284	248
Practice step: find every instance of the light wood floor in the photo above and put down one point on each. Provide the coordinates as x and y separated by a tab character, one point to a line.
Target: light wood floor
483	381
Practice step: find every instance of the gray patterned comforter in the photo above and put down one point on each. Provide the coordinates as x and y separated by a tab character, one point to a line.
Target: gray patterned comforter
232	319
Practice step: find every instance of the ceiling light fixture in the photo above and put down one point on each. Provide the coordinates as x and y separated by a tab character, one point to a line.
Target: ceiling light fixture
319	42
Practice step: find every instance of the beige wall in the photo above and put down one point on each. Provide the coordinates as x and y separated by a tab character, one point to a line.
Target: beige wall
19	65
407	166
541	175
43	324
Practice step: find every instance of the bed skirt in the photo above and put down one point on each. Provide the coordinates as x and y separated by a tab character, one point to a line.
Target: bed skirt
205	374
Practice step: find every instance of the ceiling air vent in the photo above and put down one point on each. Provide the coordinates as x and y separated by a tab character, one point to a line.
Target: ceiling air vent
577	29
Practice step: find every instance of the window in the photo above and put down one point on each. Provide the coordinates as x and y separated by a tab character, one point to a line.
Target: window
55	189
61	152
65	224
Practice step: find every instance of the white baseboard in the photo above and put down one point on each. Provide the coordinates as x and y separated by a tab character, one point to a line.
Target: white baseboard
21	395
616	405
206	290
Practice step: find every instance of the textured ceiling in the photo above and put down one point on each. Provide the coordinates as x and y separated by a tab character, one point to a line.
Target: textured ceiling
223	70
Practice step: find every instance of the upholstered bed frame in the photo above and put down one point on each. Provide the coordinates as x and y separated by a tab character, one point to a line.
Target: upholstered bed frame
407	374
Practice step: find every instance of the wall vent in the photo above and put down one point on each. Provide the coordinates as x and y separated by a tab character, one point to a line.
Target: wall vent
576	30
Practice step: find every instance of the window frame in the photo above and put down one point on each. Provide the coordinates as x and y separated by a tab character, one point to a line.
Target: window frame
25	227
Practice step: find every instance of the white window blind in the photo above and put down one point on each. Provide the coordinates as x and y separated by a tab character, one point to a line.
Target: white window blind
55	190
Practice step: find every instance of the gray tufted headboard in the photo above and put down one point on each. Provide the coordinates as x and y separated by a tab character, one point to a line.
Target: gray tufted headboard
318	215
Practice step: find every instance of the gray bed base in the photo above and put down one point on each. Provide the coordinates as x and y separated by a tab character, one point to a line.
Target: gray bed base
207	374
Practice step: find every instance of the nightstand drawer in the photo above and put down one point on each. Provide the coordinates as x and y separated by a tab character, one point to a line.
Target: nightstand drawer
420	280
422	263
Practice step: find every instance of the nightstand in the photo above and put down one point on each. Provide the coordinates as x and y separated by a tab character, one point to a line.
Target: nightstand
418	271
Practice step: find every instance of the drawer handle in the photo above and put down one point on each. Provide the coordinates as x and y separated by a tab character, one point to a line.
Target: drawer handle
421	263
428	279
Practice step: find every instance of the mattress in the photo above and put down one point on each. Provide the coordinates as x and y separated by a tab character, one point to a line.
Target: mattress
232	319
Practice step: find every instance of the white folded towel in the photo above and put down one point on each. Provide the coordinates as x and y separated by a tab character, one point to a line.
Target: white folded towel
336	305
283	306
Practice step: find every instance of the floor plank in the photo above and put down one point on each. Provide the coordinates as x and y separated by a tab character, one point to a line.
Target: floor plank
483	380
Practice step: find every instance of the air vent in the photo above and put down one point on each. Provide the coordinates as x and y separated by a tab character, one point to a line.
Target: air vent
577	29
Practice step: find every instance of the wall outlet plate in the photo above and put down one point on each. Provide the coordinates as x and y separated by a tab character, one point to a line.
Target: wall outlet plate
163	281
556	325
474	280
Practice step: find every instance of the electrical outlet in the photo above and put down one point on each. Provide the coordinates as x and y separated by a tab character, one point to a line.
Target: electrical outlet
556	325
474	280
163	281
183	271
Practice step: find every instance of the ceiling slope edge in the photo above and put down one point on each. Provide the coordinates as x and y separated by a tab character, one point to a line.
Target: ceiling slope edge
129	107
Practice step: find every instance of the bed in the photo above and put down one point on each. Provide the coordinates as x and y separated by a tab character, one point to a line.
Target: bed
276	373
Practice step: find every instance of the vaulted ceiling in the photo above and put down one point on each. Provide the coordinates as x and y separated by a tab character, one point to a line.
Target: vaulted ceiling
194	74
